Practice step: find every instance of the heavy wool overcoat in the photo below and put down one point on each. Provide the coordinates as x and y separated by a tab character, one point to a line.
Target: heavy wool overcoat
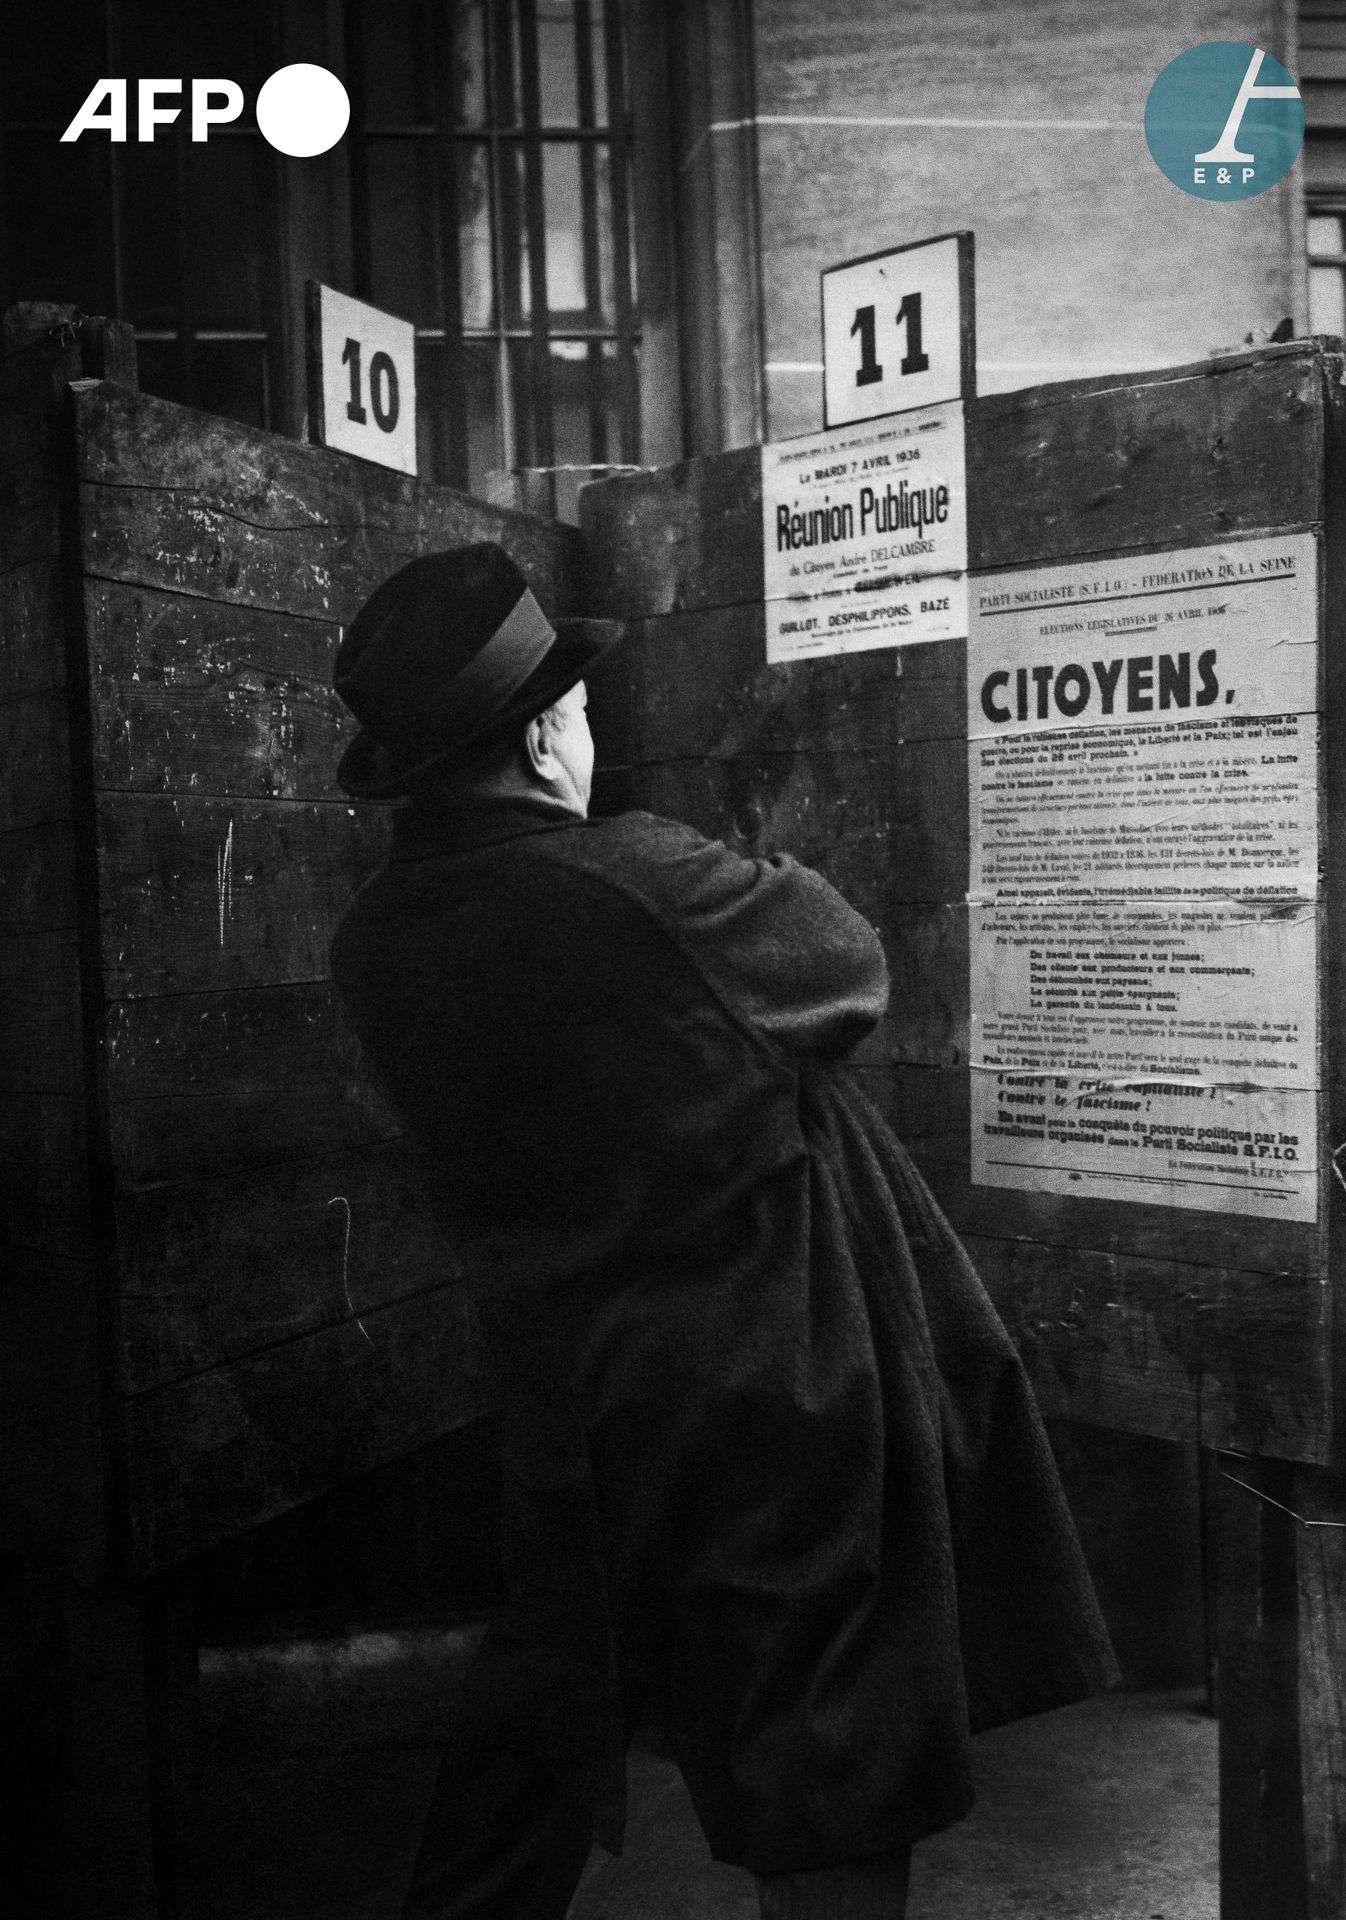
777	1467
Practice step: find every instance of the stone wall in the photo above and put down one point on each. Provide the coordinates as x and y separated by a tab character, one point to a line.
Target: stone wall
1022	120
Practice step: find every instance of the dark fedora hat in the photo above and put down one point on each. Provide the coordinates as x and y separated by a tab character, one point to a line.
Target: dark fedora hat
449	655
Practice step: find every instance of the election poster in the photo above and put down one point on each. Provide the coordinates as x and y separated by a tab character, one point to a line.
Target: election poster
1143	878
864	536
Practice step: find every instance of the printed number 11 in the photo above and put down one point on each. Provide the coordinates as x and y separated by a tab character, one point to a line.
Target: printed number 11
914	360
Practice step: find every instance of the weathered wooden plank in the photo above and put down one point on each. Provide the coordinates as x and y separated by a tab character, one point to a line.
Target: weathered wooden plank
32	651
47	344
926	1023
228	1264
189	908
209	1456
685	537
192	696
1195	452
172	1137
330	1690
1154	1346
52	1474
928	1109
37	878
186	501
201	1082
44	1199
32	379
28	515
1090	466
203	895
1279	1251
697	684
884	826
222	1044
39	1013
34	761
401	1541
219	1080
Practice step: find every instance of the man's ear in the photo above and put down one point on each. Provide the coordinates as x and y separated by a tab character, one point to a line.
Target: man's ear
538	748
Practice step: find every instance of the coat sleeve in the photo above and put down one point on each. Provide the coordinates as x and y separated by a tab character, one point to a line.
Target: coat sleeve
777	943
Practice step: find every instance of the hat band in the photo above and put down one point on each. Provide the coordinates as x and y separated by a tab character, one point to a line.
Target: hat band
477	692
497	671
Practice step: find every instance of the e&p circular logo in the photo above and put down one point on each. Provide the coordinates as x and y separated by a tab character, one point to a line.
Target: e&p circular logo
1224	121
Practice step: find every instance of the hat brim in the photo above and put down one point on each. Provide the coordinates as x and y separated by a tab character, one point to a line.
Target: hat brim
368	772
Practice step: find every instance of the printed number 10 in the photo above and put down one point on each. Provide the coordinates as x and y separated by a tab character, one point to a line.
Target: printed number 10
383	395
870	369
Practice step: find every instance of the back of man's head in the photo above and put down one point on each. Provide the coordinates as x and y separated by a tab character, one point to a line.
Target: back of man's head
447	665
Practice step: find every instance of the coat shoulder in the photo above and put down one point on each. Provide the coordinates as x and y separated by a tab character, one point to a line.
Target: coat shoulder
635	839
657	864
772	939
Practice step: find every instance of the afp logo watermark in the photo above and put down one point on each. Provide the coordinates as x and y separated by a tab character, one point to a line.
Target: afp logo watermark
301	110
1224	121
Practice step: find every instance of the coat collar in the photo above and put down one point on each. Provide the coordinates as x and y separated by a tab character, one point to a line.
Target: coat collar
420	832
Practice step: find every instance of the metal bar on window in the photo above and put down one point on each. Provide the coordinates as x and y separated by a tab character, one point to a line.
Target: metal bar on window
280	409
596	369
356	154
452	455
182	301
571	331
584	76
539	358
504	215
390	130
628	402
116	174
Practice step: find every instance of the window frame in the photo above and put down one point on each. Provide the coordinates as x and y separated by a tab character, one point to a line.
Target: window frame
515	140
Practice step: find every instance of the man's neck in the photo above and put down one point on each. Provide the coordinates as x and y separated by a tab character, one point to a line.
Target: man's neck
504	785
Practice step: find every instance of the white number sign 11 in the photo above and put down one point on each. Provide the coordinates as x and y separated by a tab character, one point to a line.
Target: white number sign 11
898	330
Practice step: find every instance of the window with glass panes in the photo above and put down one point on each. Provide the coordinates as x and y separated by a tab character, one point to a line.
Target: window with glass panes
1322	80
178	236
490	164
1327	271
482	191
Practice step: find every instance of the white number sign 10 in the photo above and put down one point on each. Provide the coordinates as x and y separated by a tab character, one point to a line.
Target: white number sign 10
898	330
362	379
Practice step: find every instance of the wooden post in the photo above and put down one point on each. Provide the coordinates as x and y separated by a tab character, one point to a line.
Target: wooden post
1321	1570
1280	1553
1262	1867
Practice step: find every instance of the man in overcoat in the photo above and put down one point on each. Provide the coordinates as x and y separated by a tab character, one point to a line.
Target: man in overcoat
772	1472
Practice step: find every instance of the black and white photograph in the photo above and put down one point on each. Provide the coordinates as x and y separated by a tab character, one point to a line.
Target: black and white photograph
672	884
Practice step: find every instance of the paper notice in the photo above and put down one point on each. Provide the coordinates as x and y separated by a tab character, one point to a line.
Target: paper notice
864	536
1143	894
